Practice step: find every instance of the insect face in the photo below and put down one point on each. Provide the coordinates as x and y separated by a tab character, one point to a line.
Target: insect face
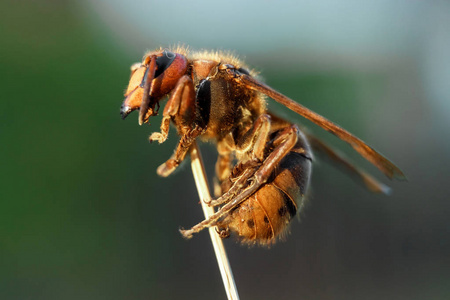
150	81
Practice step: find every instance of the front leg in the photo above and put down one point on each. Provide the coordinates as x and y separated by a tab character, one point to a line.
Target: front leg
181	103
180	108
185	143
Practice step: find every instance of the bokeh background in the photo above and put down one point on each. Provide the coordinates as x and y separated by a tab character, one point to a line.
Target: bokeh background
84	216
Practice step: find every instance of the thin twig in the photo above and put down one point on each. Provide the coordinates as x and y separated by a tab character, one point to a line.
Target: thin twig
203	191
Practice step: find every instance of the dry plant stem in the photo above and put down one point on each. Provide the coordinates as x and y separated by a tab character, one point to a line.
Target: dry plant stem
202	187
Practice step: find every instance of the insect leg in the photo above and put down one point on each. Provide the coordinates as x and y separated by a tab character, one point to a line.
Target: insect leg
223	166
181	108
212	220
254	140
181	102
286	141
185	143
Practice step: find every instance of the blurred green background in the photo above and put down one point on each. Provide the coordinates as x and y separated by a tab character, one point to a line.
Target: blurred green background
84	216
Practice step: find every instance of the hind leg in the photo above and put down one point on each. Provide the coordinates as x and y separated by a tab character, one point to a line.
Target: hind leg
283	143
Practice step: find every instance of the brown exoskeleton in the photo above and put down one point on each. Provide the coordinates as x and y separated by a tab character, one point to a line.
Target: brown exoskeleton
214	96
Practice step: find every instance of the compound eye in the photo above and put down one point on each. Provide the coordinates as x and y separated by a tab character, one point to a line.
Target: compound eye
164	61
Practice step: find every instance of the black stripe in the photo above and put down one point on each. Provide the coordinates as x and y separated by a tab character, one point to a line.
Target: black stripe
290	205
203	98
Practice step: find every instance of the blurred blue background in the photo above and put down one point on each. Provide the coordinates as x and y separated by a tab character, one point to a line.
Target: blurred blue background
84	216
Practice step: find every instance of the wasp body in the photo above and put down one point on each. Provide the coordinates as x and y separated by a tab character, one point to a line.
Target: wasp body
264	162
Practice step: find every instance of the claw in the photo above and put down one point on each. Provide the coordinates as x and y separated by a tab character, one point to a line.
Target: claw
167	168
157	136
223	232
187	234
242	181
